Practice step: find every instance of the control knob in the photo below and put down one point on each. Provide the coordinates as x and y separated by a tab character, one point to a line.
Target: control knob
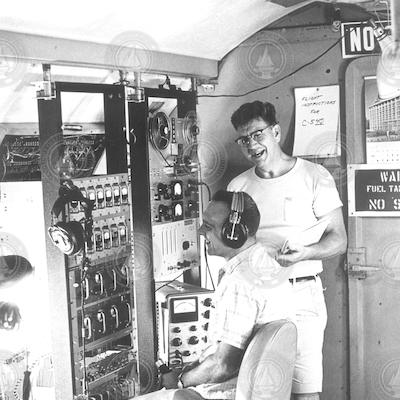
193	340
207	302
176	342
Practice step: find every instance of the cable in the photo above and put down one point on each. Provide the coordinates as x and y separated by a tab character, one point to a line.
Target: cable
207	266
172	280
83	271
162	155
208	189
281	79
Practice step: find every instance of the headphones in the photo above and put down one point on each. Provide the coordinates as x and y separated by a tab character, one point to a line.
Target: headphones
234	231
70	237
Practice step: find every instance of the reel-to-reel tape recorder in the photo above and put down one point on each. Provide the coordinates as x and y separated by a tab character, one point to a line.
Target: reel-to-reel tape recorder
172	130
174	185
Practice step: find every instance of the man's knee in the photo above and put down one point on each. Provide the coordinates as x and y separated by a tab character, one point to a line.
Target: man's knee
305	396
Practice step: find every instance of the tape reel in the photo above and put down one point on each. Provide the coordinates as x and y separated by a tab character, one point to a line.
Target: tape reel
191	128
160	130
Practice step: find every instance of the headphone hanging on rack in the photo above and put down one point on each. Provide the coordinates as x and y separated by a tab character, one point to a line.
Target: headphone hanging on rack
71	237
234	231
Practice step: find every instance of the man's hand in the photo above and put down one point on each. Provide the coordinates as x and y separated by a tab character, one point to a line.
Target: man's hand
294	253
170	379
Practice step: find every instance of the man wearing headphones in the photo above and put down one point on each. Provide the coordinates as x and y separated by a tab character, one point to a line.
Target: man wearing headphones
292	195
243	301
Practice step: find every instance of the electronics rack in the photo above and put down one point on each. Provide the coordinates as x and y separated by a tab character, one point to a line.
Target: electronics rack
165	130
112	341
167	207
102	330
102	303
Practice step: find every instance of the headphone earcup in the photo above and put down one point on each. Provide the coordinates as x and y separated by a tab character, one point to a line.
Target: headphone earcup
69	237
234	235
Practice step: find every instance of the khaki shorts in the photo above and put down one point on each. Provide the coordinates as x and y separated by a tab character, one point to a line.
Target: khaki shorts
311	318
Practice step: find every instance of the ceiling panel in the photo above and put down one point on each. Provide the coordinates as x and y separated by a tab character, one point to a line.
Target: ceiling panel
206	28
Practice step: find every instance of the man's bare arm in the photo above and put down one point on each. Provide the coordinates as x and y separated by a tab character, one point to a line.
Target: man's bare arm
217	367
332	243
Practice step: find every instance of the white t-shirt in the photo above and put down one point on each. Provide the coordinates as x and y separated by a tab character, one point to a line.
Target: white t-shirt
290	204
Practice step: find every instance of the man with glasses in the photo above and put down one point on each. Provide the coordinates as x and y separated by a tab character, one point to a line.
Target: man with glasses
292	194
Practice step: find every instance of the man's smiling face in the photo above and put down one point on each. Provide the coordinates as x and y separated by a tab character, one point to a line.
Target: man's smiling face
264	145
214	217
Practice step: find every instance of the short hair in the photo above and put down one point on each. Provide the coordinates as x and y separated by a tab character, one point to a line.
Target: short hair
250	214
249	111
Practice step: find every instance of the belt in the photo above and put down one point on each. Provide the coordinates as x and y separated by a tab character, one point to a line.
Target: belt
303	278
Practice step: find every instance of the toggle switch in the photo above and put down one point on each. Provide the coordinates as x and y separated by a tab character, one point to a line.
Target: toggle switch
115	315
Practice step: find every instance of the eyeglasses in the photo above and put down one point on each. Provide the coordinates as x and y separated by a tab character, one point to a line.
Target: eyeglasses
256	136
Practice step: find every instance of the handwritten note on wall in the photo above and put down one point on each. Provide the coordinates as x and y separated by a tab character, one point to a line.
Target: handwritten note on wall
317	122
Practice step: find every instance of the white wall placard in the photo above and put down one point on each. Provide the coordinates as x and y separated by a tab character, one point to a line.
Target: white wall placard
317	121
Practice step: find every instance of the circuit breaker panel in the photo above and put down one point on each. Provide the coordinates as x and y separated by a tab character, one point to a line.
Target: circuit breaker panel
166	129
101	296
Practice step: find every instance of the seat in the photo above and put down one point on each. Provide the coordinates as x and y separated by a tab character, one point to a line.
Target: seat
267	367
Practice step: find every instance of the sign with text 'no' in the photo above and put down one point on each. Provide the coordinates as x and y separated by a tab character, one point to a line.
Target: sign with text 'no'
358	39
374	190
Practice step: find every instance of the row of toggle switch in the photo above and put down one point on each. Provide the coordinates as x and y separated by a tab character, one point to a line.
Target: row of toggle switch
105	282
107	237
108	196
106	320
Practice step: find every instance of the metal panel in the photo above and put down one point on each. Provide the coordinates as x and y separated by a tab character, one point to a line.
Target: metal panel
50	143
373	289
57	51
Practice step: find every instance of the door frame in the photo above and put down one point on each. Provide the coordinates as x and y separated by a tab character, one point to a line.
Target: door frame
355	73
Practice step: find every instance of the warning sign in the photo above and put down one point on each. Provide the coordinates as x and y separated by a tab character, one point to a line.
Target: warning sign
358	39
373	190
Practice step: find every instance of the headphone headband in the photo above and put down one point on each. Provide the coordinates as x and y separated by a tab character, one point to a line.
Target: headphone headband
237	207
234	231
70	237
69	192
